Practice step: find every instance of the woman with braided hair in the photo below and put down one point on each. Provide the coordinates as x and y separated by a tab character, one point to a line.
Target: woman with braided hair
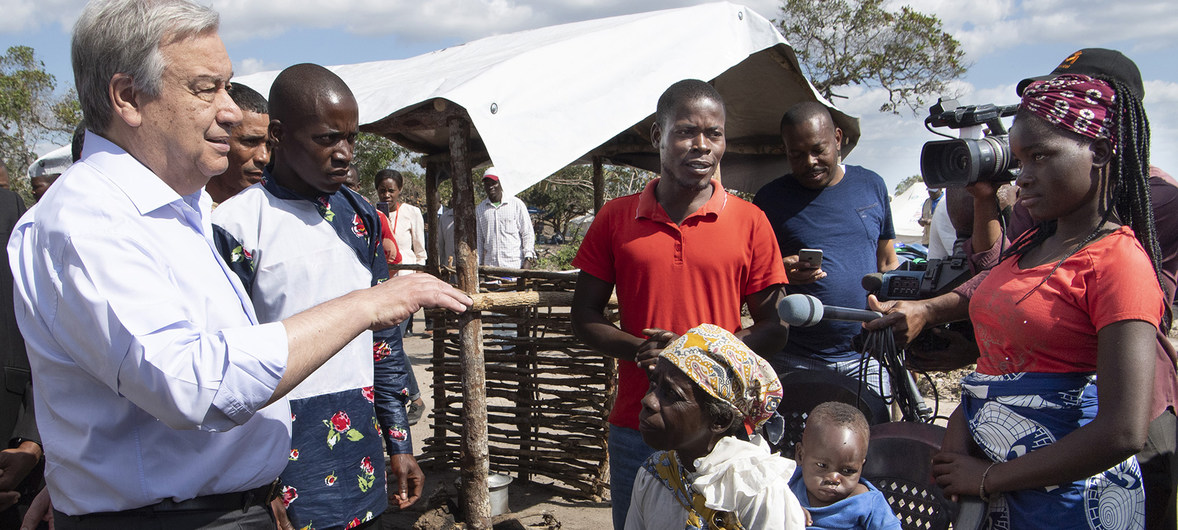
1066	323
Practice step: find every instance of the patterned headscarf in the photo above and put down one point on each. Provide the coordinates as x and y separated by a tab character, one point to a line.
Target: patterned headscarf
727	370
1076	103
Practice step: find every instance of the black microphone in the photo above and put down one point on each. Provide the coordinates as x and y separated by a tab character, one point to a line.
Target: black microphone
804	310
872	282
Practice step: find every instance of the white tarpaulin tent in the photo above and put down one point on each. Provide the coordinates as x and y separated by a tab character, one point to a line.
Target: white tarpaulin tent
542	99
906	209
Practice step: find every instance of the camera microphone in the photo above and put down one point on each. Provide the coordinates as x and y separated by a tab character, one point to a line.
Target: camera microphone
804	310
872	282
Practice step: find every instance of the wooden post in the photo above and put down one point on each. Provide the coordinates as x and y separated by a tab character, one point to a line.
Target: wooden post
475	461
525	354
598	185
433	260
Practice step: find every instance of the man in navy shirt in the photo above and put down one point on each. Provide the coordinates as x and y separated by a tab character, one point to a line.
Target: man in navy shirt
842	211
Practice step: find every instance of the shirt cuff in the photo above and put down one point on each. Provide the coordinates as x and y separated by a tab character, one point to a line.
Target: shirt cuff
256	358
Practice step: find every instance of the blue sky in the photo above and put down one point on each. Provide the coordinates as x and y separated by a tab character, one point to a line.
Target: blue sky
1005	40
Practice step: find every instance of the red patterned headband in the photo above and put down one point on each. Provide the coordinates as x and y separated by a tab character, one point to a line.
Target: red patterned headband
1076	103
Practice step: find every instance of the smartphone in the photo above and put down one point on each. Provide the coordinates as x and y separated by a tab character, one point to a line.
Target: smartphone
811	257
383	207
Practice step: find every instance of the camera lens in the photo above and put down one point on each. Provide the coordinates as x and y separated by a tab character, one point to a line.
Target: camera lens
953	163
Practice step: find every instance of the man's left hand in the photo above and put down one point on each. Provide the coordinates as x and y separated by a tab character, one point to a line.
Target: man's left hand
529	263
405	481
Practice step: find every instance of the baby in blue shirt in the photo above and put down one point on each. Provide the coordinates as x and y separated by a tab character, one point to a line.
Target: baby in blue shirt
830	458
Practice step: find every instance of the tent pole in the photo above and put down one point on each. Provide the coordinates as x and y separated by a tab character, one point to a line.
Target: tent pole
598	184
474	460
433	260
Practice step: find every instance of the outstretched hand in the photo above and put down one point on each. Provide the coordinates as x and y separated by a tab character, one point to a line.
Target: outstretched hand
401	296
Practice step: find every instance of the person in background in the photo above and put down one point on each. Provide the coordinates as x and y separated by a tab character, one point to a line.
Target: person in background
843	211
942	232
44	171
249	146
21	454
405	222
446	233
926	213
505	234
402	228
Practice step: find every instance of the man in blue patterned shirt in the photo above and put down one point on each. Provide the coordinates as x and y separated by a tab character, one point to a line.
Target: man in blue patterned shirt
297	239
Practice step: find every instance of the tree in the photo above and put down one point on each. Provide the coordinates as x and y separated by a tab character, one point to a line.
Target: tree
908	183
566	194
374	153
30	115
859	42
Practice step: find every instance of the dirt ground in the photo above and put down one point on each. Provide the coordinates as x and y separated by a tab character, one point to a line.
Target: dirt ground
532	505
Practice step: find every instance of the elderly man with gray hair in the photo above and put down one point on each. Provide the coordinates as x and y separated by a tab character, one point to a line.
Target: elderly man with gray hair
160	398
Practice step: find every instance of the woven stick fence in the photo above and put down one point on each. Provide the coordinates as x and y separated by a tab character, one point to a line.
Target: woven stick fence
548	396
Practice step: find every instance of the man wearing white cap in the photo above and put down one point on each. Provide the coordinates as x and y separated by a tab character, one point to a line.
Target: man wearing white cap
45	170
506	238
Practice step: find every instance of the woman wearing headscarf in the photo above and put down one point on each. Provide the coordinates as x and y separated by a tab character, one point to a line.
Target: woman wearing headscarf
710	397
1066	323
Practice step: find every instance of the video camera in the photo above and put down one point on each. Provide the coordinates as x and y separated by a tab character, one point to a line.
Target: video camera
958	162
918	279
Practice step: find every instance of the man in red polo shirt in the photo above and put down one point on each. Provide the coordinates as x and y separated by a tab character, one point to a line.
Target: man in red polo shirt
681	253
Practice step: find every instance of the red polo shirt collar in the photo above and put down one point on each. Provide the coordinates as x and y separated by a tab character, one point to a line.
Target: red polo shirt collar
649	207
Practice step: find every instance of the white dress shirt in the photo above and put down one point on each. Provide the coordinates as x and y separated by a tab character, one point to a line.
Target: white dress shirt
942	234
408	228
446	236
148	361
505	233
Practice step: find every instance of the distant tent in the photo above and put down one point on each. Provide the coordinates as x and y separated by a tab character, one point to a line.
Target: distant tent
906	208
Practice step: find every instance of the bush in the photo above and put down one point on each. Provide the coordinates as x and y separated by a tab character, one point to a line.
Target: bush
558	257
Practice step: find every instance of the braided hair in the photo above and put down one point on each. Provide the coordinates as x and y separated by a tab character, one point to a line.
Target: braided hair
1126	191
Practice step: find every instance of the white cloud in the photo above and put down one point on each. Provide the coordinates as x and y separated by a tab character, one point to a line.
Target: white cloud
957	14
1161	92
1161	104
251	65
32	15
988	27
431	21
